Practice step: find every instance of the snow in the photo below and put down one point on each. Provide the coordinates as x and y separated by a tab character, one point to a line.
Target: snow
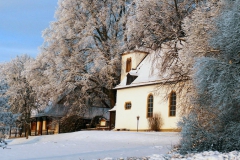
104	145
143	71
91	145
206	155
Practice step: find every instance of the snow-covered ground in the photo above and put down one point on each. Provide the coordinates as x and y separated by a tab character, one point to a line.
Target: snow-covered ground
206	155
104	145
90	145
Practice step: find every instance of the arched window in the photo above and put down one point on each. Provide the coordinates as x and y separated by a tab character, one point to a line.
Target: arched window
128	64
172	105
150	106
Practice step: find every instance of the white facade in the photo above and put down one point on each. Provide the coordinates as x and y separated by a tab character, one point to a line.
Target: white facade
137	94
136	57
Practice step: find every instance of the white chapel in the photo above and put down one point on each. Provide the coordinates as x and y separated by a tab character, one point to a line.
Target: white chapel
136	98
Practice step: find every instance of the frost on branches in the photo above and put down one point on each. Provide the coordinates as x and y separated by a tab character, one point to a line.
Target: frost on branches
159	27
3	89
213	123
7	119
158	24
79	62
20	94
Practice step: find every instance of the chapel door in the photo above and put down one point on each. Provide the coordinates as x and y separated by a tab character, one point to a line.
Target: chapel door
112	120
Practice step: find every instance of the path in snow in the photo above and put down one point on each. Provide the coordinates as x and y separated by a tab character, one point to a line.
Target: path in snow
90	145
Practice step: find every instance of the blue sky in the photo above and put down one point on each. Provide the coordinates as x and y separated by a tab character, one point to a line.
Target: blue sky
21	26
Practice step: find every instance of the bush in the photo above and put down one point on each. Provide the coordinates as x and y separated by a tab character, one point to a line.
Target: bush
155	122
3	135
72	123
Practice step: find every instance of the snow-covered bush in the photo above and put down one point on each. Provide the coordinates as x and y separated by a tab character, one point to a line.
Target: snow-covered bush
213	122
3	143
7	119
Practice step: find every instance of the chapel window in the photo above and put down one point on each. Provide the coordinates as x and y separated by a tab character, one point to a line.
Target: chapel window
128	105
172	104
150	106
128	64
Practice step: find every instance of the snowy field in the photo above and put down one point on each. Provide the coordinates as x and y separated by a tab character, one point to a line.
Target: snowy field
104	145
90	145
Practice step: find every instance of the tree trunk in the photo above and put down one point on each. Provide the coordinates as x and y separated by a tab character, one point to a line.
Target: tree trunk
27	130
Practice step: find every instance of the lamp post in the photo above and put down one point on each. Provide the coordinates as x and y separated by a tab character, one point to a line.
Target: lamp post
137	122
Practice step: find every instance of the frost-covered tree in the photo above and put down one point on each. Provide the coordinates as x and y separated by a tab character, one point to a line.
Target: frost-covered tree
3	90
196	27
213	122
7	119
157	25
21	96
159	21
80	57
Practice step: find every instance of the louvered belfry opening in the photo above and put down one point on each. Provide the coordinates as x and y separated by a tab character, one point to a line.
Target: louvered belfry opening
128	64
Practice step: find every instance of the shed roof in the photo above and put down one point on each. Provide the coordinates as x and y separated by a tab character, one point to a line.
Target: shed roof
57	110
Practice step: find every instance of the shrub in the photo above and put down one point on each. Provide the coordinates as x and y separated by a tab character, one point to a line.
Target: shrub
72	123
155	122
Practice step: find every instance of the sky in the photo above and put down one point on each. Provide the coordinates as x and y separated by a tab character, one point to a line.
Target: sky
21	26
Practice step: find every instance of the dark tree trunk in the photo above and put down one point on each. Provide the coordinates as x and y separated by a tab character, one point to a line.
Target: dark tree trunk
27	130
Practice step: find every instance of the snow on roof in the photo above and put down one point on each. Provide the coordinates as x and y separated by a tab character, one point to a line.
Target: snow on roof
133	73
143	71
133	52
96	111
60	110
57	110
113	109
